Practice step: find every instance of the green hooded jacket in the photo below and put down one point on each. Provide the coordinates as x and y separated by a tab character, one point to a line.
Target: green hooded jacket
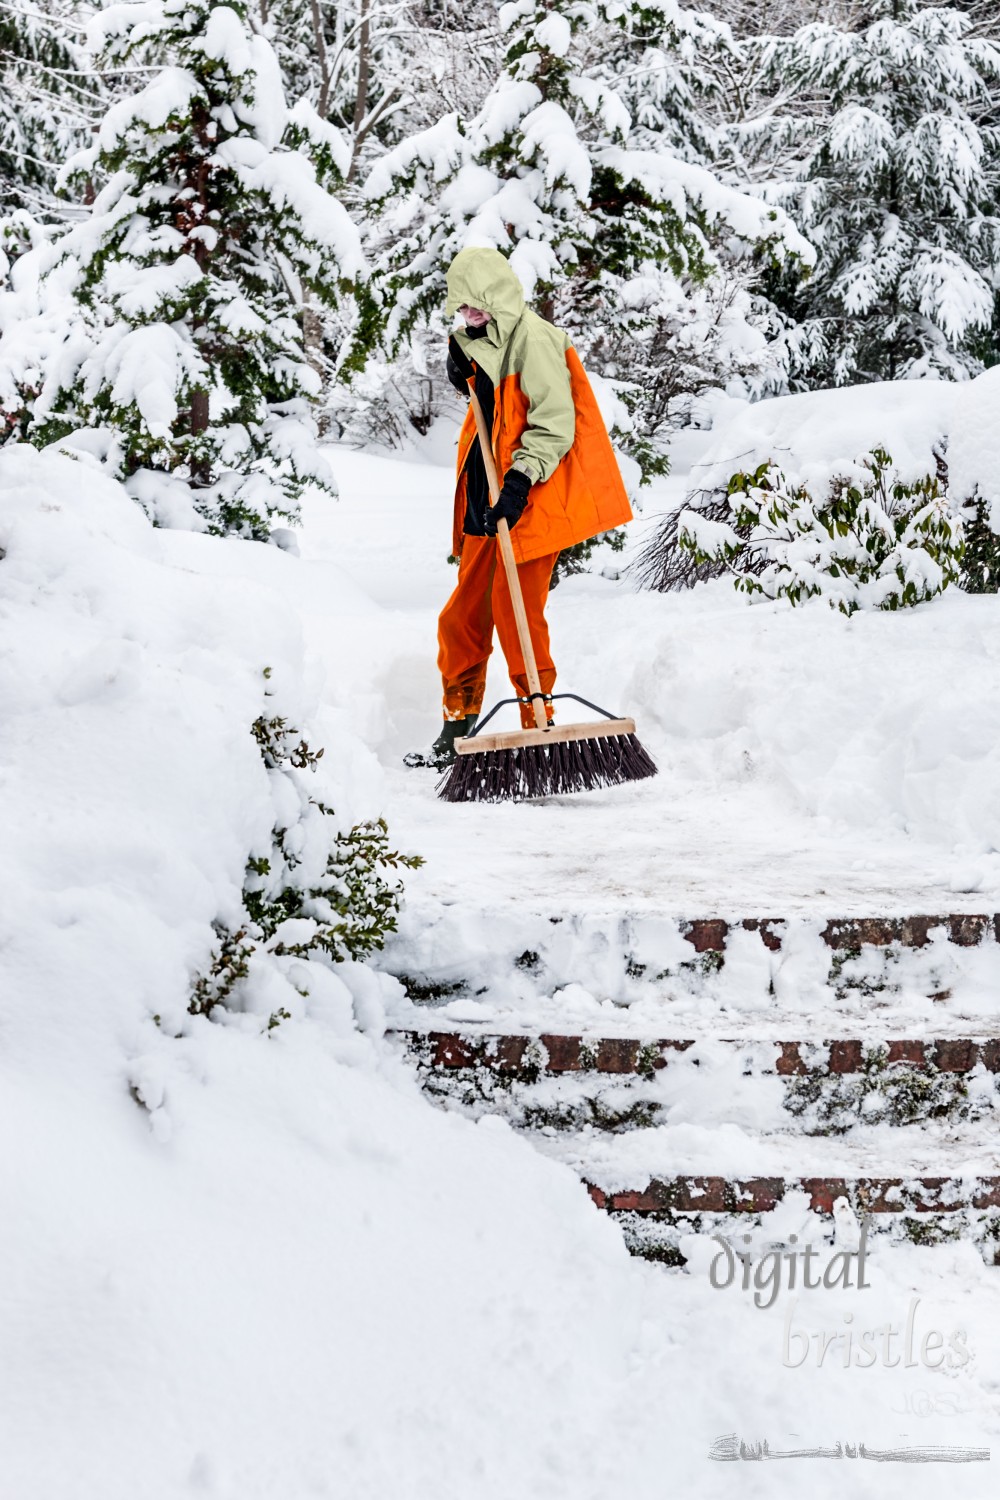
517	341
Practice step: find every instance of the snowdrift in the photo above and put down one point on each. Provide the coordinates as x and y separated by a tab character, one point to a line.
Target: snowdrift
237	1263
258	1265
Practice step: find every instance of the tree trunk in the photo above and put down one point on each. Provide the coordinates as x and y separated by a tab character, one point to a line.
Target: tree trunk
364	74
312	338
323	103
199	423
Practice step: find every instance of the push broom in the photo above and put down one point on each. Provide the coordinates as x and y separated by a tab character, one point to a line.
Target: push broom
550	759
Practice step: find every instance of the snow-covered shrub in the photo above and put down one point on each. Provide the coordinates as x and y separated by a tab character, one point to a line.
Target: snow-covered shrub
871	542
981	562
181	363
319	892
974	478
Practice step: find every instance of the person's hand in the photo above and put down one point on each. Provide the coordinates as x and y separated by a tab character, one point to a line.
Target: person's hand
460	369
511	502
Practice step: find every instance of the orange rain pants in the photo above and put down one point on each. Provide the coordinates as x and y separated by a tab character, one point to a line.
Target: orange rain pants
482	601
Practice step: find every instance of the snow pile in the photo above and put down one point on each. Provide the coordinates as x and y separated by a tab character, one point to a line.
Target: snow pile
131	685
211	1217
820	435
974	445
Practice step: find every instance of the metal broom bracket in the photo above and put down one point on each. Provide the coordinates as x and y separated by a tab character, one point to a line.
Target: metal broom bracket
547	698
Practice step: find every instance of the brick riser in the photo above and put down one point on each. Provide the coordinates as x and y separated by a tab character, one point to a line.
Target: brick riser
757	1195
707	938
922	1209
551	1054
708	935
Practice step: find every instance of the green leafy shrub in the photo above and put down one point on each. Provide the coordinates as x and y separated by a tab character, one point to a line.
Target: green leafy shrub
872	542
319	892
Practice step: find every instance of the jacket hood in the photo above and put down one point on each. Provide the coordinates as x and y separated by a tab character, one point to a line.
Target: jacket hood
483	278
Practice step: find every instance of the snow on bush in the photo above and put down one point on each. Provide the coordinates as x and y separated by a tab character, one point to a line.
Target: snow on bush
974	477
816	440
317	892
179	803
870	542
896	187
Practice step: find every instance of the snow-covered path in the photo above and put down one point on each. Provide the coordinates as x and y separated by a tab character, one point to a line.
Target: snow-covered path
808	763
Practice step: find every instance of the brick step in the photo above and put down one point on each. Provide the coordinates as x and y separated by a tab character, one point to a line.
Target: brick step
965	930
759	1195
734	1146
916	1206
526	1057
535	972
819	1119
773	1087
939	1191
922	1211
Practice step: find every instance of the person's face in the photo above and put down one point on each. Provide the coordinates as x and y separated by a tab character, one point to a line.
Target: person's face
474	317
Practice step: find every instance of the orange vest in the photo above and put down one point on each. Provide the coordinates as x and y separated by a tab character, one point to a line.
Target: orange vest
583	497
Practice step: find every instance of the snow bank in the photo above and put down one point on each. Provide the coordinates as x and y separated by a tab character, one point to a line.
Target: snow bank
974	446
257	1265
213	1226
820	434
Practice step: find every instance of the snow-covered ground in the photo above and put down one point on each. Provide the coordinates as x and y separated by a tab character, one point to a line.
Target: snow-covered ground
810	766
808	762
259	1265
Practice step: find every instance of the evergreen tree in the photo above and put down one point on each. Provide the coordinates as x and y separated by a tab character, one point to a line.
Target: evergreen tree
614	236
46	99
897	190
182	358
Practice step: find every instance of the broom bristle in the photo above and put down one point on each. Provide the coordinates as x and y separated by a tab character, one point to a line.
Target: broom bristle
552	770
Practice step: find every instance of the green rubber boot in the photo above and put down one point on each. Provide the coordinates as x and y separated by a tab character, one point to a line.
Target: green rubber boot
441	754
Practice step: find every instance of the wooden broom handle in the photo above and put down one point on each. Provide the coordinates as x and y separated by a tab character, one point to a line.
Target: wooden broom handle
510	566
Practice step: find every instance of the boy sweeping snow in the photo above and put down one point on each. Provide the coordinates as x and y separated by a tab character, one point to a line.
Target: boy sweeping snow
560	484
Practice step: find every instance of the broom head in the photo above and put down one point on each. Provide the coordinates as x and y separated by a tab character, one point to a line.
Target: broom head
545	762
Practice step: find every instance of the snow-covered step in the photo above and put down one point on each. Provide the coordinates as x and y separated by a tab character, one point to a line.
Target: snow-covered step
771	1087
662	1184
657	1221
608	972
627	1161
758	1195
521	1055
675	1136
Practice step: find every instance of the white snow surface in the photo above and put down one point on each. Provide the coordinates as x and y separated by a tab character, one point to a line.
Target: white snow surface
242	1263
819	435
974	447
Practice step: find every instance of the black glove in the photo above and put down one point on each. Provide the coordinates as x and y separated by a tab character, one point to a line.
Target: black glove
460	370
511	503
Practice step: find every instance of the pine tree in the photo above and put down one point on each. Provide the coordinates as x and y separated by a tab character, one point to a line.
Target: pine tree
897	190
574	169
46	99
187	275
